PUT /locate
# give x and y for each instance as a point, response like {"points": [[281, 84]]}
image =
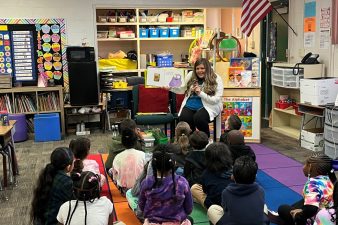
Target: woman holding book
{"points": [[203, 90]]}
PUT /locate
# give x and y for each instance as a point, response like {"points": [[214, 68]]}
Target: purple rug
{"points": [[285, 170], [290, 176], [276, 160], [261, 149]]}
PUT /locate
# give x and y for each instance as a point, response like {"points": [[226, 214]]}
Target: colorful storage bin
{"points": [[174, 32], [47, 127], [153, 32], [164, 32], [144, 33], [164, 60]]}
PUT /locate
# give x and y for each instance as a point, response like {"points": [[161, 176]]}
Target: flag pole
{"points": [[285, 21]]}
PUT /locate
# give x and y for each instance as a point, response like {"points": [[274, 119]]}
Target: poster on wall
{"points": [[244, 72], [49, 51], [6, 66], [39, 44], [242, 107], [309, 23], [325, 29]]}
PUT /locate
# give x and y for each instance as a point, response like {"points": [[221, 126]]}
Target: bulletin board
{"points": [[47, 39]]}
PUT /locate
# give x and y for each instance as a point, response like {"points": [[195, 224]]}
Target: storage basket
{"points": [[164, 60], [331, 149], [144, 32], [284, 77], [331, 133], [174, 32], [153, 32]]}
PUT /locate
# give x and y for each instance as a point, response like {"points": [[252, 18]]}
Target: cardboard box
{"points": [[312, 139], [318, 91]]}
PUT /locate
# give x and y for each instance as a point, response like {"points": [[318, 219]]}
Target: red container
{"points": [[170, 19], [284, 105]]}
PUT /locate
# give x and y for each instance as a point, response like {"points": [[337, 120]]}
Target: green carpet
{"points": [[199, 214]]}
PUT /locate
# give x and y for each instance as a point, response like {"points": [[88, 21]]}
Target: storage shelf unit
{"points": [[35, 100], [285, 121], [177, 46]]}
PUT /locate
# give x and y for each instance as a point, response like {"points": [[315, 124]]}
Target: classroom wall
{"points": [[296, 43], [79, 14]]}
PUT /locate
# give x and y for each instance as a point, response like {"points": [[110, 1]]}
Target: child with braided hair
{"points": [[165, 197], [88, 208], [317, 192]]}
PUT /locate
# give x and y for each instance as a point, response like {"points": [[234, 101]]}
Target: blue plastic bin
{"points": [[47, 127], [144, 32], [164, 60], [164, 32], [174, 31], [153, 32]]}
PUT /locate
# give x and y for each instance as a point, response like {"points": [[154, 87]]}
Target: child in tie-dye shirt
{"points": [[328, 216], [317, 192]]}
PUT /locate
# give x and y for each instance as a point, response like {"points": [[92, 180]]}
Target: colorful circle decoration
{"points": [[55, 38], [56, 57], [8, 59], [40, 53], [7, 48], [57, 65], [46, 47], [8, 65], [2, 70], [9, 70], [2, 60], [55, 28], [46, 38], [2, 54], [49, 74], [57, 75], [2, 65], [48, 56], [40, 60], [48, 65], [56, 47], [45, 29], [6, 53]]}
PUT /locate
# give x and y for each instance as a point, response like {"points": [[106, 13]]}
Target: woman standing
{"points": [[203, 90]]}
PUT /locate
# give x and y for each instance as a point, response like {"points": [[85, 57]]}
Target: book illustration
{"points": [[164, 77], [176, 81], [235, 76], [246, 63], [244, 80]]}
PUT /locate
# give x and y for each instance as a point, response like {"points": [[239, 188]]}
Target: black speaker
{"points": [[83, 83]]}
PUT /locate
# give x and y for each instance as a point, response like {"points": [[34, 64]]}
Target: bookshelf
{"points": [[33, 100]]}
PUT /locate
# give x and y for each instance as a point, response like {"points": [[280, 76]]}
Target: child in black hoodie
{"points": [[237, 146], [232, 123], [242, 201]]}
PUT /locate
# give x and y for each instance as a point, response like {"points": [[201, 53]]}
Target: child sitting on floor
{"points": [[117, 146], [195, 160], [53, 188], [317, 192], [81, 148], [215, 177], [237, 146], [165, 197], [232, 123], [88, 208], [242, 201], [328, 216], [181, 145], [128, 165]]}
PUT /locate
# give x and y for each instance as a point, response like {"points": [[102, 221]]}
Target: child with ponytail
{"points": [[54, 187], [88, 208], [165, 197], [317, 192], [181, 146]]}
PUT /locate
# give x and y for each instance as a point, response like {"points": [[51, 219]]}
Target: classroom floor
{"points": [[33, 156]]}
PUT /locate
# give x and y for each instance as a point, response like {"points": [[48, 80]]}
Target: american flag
{"points": [[253, 11]]}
